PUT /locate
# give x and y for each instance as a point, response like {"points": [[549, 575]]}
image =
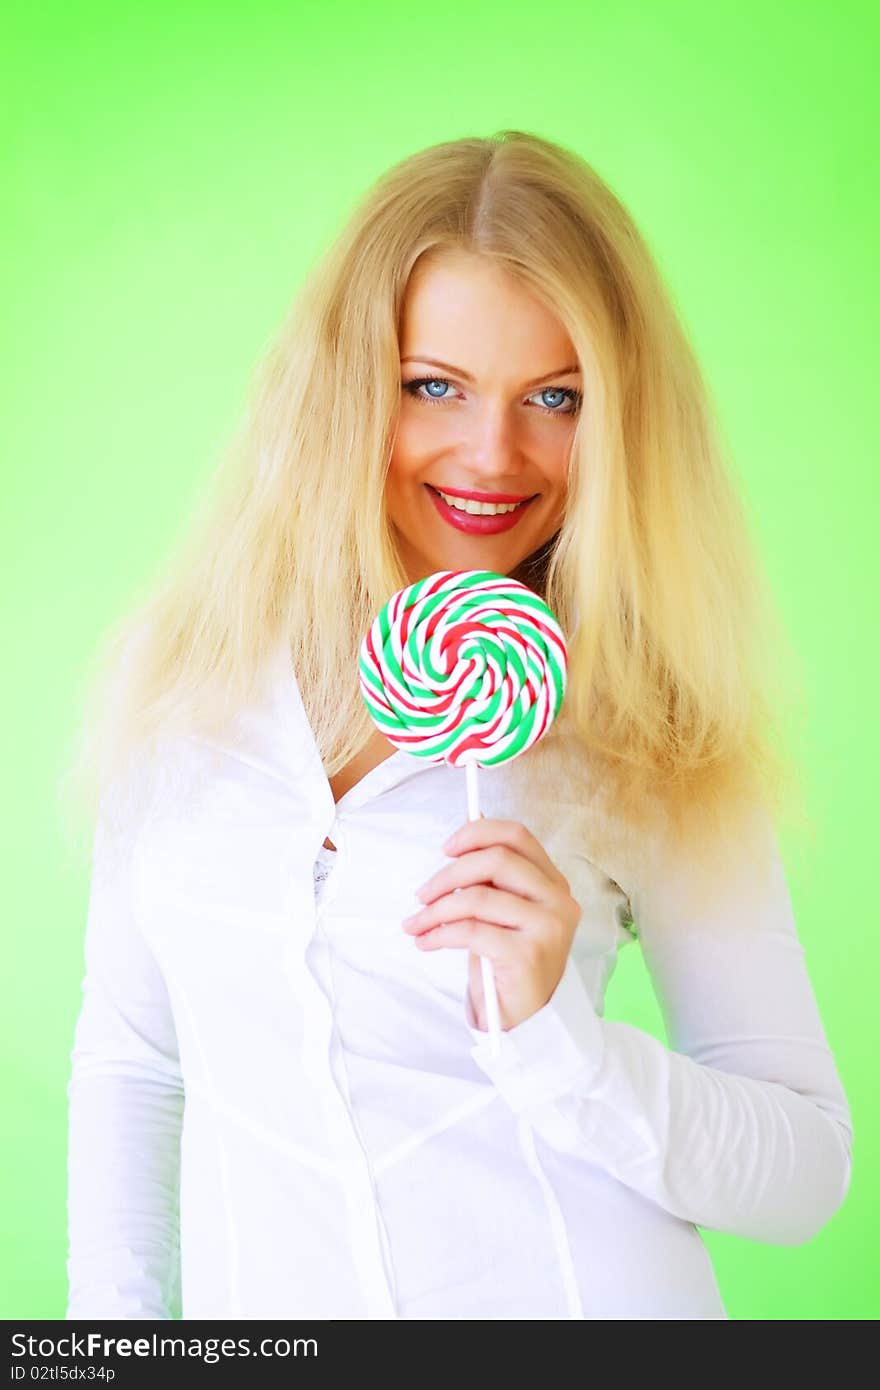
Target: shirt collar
{"points": [[274, 734]]}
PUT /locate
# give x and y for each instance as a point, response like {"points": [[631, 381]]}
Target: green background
{"points": [[170, 172]]}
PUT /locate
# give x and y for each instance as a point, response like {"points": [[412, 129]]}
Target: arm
{"points": [[742, 1124], [126, 1104]]}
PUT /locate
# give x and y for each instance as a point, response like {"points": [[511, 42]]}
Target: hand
{"points": [[503, 898]]}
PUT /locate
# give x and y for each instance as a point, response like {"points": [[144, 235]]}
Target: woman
{"points": [[282, 1101]]}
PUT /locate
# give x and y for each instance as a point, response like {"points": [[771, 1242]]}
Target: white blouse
{"points": [[280, 1107]]}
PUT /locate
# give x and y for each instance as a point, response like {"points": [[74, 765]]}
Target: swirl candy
{"points": [[464, 667]]}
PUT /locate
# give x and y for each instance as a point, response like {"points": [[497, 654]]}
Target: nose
{"points": [[491, 444]]}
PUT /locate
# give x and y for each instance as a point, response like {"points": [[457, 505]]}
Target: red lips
{"points": [[476, 524], [482, 496]]}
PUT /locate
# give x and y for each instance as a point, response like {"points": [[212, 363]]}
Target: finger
{"points": [[478, 834], [479, 900], [498, 865], [482, 938]]}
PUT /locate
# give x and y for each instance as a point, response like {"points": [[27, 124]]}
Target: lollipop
{"points": [[465, 667]]}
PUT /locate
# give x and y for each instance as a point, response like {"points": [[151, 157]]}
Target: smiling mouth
{"points": [[473, 506], [478, 522]]}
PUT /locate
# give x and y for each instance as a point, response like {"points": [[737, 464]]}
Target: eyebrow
{"points": [[466, 376]]}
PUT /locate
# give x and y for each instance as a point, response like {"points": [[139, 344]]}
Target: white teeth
{"points": [[480, 508]]}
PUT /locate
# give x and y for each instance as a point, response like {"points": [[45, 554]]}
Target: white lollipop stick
{"points": [[489, 992]]}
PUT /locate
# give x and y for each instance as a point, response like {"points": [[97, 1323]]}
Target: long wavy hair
{"points": [[681, 688]]}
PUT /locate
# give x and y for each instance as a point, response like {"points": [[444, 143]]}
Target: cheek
{"points": [[399, 483], [414, 439], [555, 455], [552, 442], [401, 489]]}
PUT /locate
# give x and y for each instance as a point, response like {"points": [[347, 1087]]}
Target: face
{"points": [[496, 419]]}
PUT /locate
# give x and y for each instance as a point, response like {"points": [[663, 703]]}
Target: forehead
{"points": [[455, 299]]}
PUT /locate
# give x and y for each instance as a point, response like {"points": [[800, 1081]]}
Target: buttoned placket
{"points": [[323, 1053]]}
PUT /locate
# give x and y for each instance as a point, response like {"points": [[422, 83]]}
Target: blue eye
{"points": [[560, 392], [554, 391], [413, 387], [563, 393]]}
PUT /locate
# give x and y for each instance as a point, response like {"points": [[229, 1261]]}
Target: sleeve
{"points": [[742, 1123], [125, 1110]]}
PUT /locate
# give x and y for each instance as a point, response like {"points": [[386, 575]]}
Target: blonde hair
{"points": [[678, 662]]}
